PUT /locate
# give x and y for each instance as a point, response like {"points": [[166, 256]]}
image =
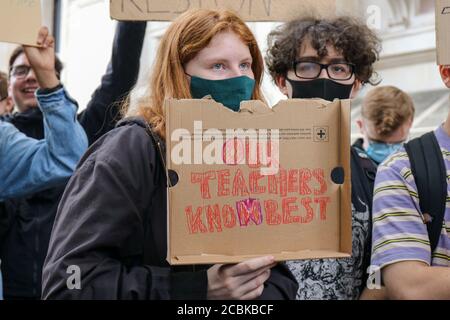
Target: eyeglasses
{"points": [[311, 70], [20, 72]]}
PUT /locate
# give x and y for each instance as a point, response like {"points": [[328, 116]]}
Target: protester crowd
{"points": [[89, 189]]}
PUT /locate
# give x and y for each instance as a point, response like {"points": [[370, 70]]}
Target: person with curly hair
{"points": [[331, 59], [319, 58]]}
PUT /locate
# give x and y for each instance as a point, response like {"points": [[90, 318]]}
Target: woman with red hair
{"points": [[112, 221]]}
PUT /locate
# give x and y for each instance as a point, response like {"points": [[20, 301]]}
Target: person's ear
{"points": [[445, 74], [9, 104], [360, 125], [356, 88], [410, 122], [281, 83]]}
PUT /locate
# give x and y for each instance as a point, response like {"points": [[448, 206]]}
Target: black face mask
{"points": [[320, 88]]}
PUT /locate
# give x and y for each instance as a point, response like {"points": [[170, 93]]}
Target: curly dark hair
{"points": [[349, 36]]}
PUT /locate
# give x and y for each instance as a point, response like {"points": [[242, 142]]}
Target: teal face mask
{"points": [[230, 92], [378, 151]]}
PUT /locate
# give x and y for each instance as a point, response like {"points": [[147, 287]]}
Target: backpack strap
{"points": [[363, 178], [430, 175]]}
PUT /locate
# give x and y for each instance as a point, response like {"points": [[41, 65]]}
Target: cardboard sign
{"points": [[20, 21], [249, 10], [259, 182], [443, 31]]}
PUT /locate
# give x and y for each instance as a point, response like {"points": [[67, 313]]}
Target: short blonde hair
{"points": [[387, 108]]}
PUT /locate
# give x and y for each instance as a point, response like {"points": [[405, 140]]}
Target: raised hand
{"points": [[42, 59]]}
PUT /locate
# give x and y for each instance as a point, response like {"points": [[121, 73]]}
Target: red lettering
{"points": [[305, 177], [228, 217], [278, 183], [319, 175], [239, 185], [213, 218], [293, 181], [271, 150], [249, 210], [233, 151], [273, 218], [195, 223], [203, 180], [306, 203], [252, 157], [323, 202], [288, 205], [273, 184], [223, 181], [283, 182], [255, 176]]}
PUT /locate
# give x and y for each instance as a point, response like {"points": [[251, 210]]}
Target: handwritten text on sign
{"points": [[250, 10], [301, 194]]}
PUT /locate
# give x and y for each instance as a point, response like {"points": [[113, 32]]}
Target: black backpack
{"points": [[430, 174]]}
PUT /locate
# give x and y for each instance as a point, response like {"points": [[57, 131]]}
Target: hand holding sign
{"points": [[243, 281], [42, 59]]}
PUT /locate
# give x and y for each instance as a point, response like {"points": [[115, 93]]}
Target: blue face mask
{"points": [[378, 151], [230, 92]]}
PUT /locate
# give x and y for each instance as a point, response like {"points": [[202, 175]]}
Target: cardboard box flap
{"points": [[255, 107], [346, 187], [24, 18], [443, 31], [249, 10], [284, 256], [260, 183]]}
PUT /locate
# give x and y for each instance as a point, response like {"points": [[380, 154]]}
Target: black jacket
{"points": [[25, 244], [112, 224], [363, 171]]}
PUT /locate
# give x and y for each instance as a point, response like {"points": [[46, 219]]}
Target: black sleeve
{"points": [[281, 285], [102, 112], [99, 227], [5, 222]]}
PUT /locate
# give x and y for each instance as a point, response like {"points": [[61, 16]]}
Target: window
{"points": [[425, 7], [408, 14]]}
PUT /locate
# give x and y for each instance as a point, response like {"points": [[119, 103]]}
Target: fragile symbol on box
{"points": [[320, 134]]}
